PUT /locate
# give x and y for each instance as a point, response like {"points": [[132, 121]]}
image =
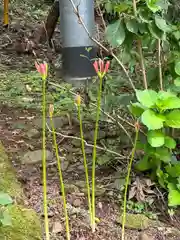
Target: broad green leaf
{"points": [[163, 154], [161, 24], [165, 95], [165, 46], [174, 88], [109, 7], [155, 31], [162, 177], [132, 26], [142, 28], [173, 170], [143, 164], [177, 82], [169, 103], [177, 35], [155, 138], [167, 100], [178, 183], [126, 57], [177, 68], [170, 142], [163, 4], [144, 15], [173, 196], [6, 219], [5, 199], [153, 5], [147, 97], [121, 7], [115, 33], [173, 119], [136, 109], [152, 120]]}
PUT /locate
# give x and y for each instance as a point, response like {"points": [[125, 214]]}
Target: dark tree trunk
{"points": [[50, 25]]}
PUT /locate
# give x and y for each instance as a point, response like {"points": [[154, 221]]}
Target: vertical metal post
{"points": [[6, 12], [78, 48]]}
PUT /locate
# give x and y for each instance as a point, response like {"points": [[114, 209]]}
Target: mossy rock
{"points": [[25, 222], [138, 221]]}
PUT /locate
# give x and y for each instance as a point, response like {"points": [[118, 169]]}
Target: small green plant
{"points": [[78, 103], [101, 69], [43, 70], [141, 24], [5, 218], [140, 207], [160, 112], [51, 111], [127, 181]]}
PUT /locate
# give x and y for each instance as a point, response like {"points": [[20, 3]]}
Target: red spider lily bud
{"points": [[42, 68], [51, 110], [107, 67], [95, 64], [78, 100], [137, 126], [99, 67]]}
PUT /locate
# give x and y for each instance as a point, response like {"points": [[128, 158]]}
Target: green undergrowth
{"points": [[25, 224], [24, 90]]}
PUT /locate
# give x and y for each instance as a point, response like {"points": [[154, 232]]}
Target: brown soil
{"points": [[15, 122]]}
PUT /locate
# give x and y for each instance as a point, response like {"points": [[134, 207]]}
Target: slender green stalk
{"points": [[44, 161], [94, 153], [159, 64], [139, 45], [85, 162], [127, 183], [60, 179]]}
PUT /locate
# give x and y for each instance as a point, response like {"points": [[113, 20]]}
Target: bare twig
{"points": [[142, 63], [139, 45], [100, 45], [105, 113], [159, 64], [86, 143], [101, 15], [134, 7]]}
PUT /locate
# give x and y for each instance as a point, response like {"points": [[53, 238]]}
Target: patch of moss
{"points": [[8, 181], [25, 225], [25, 222], [138, 221]]}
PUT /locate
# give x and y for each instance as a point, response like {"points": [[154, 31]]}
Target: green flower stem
{"points": [[60, 179], [44, 160], [126, 185], [94, 152], [85, 162]]}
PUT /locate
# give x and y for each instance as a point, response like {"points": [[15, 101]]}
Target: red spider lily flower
{"points": [[101, 68], [42, 68], [95, 64], [101, 65], [107, 66]]}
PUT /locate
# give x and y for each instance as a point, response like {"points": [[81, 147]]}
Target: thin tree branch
{"points": [[142, 64], [100, 45], [86, 143], [139, 45], [105, 113]]}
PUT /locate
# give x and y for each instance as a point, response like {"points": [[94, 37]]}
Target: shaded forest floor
{"points": [[20, 132]]}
